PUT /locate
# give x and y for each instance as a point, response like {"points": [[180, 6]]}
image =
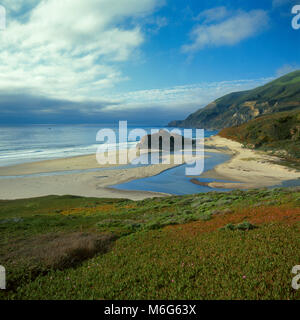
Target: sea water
{"points": [[29, 143]]}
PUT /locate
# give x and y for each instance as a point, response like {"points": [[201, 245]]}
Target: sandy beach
{"points": [[89, 184], [246, 169]]}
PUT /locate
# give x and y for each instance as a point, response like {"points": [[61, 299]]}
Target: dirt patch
{"points": [[58, 251]]}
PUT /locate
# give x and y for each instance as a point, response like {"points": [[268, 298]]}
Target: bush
{"points": [[244, 226]]}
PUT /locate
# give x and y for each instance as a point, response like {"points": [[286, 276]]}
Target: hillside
{"points": [[279, 132], [236, 108], [237, 245]]}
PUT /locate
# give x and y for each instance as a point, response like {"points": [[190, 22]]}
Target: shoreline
{"points": [[246, 169], [81, 162], [89, 184]]}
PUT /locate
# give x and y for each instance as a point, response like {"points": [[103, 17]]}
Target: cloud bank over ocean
{"points": [[142, 60], [145, 106]]}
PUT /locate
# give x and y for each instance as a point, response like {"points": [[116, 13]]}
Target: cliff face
{"points": [[236, 108]]}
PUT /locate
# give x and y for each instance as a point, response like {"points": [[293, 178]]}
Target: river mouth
{"points": [[174, 181]]}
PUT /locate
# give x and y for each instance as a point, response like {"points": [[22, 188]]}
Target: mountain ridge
{"points": [[236, 108]]}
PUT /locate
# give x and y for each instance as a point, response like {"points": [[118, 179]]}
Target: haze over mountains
{"points": [[282, 94]]}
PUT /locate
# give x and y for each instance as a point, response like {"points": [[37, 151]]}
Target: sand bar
{"points": [[247, 168], [89, 184]]}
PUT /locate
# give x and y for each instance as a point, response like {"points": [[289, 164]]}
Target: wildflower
{"points": [[244, 277]]}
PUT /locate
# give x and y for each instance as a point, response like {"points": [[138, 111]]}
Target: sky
{"points": [[145, 61]]}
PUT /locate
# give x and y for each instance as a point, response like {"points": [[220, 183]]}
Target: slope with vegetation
{"points": [[237, 245], [279, 133], [237, 108]]}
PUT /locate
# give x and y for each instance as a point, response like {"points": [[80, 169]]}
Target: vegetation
{"points": [[237, 245], [237, 108], [279, 132]]}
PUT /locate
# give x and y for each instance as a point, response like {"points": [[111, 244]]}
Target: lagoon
{"points": [[174, 181]]}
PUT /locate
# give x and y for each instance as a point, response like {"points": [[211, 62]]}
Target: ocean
{"points": [[29, 143]]}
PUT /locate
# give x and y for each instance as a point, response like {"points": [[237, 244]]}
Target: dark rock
{"points": [[160, 140]]}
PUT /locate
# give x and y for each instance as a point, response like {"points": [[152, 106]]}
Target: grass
{"points": [[237, 245]]}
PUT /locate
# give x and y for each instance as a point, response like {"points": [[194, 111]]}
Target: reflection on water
{"points": [[174, 181]]}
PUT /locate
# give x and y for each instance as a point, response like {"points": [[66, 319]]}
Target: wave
{"points": [[12, 157]]}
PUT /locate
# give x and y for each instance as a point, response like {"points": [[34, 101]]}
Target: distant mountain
{"points": [[236, 108], [279, 133]]}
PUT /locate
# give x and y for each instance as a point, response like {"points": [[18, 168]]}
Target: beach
{"points": [[29, 180], [88, 184], [245, 170]]}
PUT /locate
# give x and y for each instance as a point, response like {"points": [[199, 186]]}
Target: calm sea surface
{"points": [[41, 142]]}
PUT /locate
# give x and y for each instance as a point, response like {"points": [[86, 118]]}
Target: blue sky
{"points": [[146, 61]]}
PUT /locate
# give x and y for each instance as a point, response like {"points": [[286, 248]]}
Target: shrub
{"points": [[244, 226]]}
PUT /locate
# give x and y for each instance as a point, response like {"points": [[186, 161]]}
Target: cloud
{"points": [[145, 106], [19, 7], [239, 26], [156, 23], [180, 97], [213, 15], [70, 49], [287, 68]]}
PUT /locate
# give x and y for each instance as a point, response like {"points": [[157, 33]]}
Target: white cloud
{"points": [[239, 26], [213, 15], [179, 98], [145, 106], [70, 48], [287, 68]]}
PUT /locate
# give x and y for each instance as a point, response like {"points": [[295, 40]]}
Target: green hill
{"points": [[237, 245], [236, 108], [279, 132]]}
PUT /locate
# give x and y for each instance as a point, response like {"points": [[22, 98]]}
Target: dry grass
{"points": [[59, 251]]}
